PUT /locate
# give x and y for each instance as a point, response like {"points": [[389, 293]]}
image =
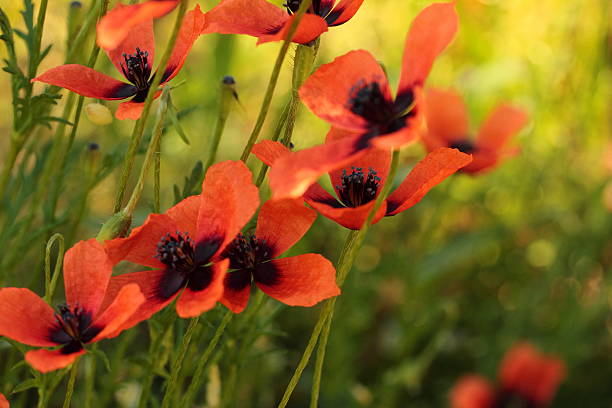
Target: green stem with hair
{"points": [[228, 96], [71, 381]]}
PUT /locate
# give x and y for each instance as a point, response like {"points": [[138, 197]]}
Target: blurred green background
{"points": [[521, 253]]}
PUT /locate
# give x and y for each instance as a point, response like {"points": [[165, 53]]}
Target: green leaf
{"points": [[177, 125], [26, 385]]}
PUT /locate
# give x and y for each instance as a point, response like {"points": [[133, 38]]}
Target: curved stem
{"points": [[228, 94], [265, 106], [71, 381], [318, 370]]}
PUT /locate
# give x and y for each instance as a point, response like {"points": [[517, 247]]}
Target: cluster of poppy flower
{"points": [[196, 251]]}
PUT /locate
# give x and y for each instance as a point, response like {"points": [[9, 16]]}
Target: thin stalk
{"points": [[157, 178], [228, 94], [198, 376], [280, 124], [9, 163], [178, 363], [318, 370], [71, 381], [90, 380], [265, 106], [140, 123]]}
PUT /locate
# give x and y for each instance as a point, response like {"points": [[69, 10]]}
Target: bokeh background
{"points": [[520, 253]]}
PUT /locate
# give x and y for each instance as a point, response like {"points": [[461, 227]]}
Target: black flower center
{"points": [[465, 146], [73, 328], [292, 6], [510, 399], [369, 102], [137, 69], [247, 251], [357, 188], [177, 252]]}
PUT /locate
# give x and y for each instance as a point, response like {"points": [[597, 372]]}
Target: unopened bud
{"points": [[117, 226], [98, 114], [228, 95]]}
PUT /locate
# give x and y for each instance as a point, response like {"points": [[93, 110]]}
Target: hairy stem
{"points": [[71, 381]]}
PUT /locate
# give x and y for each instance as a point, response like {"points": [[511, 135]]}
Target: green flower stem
{"points": [[318, 369], [71, 381], [51, 280], [140, 123], [228, 95], [157, 178], [353, 243], [9, 162], [198, 376], [265, 106], [280, 124], [178, 363], [90, 381]]}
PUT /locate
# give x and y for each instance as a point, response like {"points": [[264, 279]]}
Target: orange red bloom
{"points": [[353, 94], [447, 126], [301, 280], [133, 57], [90, 313], [184, 245], [358, 184], [116, 25], [267, 22], [526, 379], [3, 401]]}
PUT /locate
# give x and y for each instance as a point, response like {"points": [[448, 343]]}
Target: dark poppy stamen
{"points": [[465, 146], [357, 188], [137, 69], [73, 328], [369, 102], [292, 6], [177, 252], [246, 251]]}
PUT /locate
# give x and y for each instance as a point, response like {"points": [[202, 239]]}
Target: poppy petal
{"points": [[431, 32], [236, 290], [447, 119], [50, 360], [3, 401], [427, 173], [348, 217], [140, 36], [269, 151], [87, 82], [310, 28], [229, 200], [25, 317], [193, 303], [503, 123], [113, 319], [250, 17], [117, 25], [302, 280], [343, 12], [193, 23], [140, 247], [185, 214], [87, 270], [482, 161], [328, 91], [472, 391], [129, 110], [282, 223], [291, 175]]}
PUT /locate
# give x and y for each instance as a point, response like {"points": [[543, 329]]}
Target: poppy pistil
{"points": [[246, 251], [137, 69], [177, 252], [358, 188]]}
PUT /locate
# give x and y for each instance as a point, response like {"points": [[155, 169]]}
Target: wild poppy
{"points": [[358, 184], [115, 26], [267, 22], [183, 246], [89, 315], [301, 280], [353, 94], [134, 59], [526, 379], [3, 401], [447, 126]]}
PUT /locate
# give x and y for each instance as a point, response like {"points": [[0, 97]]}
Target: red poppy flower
{"points": [[133, 58], [267, 22], [358, 184], [302, 280], [184, 244], [527, 378], [353, 94], [115, 26], [3, 401], [88, 316], [447, 126]]}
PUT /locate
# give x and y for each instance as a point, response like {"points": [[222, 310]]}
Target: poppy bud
{"points": [[98, 114], [302, 65], [75, 18], [115, 227]]}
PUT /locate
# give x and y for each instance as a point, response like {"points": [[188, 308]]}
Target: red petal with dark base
{"points": [[250, 17], [447, 119], [343, 12], [268, 151], [282, 223], [236, 290], [229, 200], [87, 82], [193, 23], [472, 392], [431, 32], [87, 270], [25, 317], [302, 280], [192, 303], [113, 319], [50, 360], [139, 36], [328, 91], [116, 25], [310, 28], [503, 123], [129, 110], [348, 217], [291, 175], [427, 173], [483, 161]]}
